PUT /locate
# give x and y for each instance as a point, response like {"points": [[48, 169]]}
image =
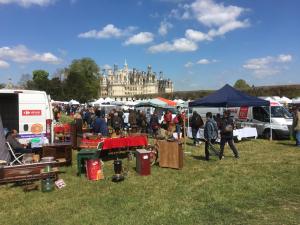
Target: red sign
{"points": [[31, 112], [243, 115]]}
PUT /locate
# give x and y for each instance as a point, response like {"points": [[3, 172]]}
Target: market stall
{"points": [[115, 143], [227, 97]]}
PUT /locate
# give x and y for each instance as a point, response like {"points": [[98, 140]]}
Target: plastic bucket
{"points": [[93, 169]]}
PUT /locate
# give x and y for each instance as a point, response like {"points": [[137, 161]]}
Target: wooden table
{"points": [[27, 172], [60, 151], [116, 143]]}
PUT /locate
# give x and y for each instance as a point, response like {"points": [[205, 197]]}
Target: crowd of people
{"points": [[118, 120], [104, 121]]}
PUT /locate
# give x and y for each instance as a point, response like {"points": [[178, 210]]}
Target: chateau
{"points": [[124, 84]]}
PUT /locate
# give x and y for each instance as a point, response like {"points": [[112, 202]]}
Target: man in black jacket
{"points": [[227, 135], [196, 122]]}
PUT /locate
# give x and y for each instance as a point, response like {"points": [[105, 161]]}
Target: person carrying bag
{"points": [[227, 135]]}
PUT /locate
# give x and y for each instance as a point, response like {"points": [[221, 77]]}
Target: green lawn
{"points": [[262, 187]]}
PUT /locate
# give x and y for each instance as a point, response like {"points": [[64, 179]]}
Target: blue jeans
{"points": [[297, 138]]}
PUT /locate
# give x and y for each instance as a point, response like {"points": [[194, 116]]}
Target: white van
{"points": [[27, 111], [258, 117]]}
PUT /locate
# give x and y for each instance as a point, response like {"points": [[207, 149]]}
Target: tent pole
{"points": [[186, 129], [271, 136]]}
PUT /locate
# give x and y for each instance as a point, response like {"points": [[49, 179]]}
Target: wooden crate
{"points": [[170, 154]]}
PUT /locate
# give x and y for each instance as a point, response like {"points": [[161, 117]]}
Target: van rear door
{"points": [[261, 119], [9, 105], [32, 112]]}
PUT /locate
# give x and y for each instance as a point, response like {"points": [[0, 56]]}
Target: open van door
{"points": [[261, 121]]}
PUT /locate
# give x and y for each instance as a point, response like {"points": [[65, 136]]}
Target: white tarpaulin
{"points": [[73, 102]]}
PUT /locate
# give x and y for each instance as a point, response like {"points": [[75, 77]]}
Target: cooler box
{"points": [[143, 166]]}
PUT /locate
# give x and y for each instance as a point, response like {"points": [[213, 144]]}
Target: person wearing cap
{"points": [[227, 126]]}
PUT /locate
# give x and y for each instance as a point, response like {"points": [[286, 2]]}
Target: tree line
{"points": [[80, 81]]}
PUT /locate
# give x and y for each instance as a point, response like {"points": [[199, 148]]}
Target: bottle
{"points": [[47, 184]]}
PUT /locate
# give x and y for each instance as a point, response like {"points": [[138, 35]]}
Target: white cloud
{"points": [[28, 3], [196, 35], [206, 61], [21, 54], [228, 27], [188, 64], [182, 12], [140, 38], [213, 14], [4, 64], [109, 31], [284, 58], [178, 45], [164, 27], [267, 66], [200, 61], [218, 18]]}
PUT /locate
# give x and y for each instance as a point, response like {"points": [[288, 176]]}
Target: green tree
{"points": [[241, 84], [2, 85], [40, 80], [82, 82], [56, 89]]}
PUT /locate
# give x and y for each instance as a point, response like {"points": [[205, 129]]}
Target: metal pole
{"points": [[184, 129]]}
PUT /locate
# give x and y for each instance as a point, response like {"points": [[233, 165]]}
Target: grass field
{"points": [[262, 187]]}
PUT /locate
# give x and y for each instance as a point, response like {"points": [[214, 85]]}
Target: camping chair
{"points": [[16, 156]]}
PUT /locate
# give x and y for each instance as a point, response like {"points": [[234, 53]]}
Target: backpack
{"points": [[227, 126], [198, 121]]}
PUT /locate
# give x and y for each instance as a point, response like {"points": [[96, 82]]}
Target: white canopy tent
{"points": [[74, 102], [285, 100], [296, 100]]}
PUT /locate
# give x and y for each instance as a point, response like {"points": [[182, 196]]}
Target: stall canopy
{"points": [[169, 102], [4, 153], [228, 96], [157, 103], [73, 102]]}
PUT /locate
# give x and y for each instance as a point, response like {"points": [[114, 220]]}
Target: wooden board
{"points": [[26, 172], [170, 154], [59, 151]]}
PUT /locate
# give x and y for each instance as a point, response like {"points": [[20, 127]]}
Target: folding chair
{"points": [[16, 156]]}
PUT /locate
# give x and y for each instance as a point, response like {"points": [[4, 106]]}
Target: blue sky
{"points": [[199, 44]]}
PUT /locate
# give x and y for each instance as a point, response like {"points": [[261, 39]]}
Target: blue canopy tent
{"points": [[228, 96]]}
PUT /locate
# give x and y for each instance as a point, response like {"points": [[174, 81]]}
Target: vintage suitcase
{"points": [[170, 154]]}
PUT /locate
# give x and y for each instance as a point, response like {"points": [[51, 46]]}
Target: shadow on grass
{"points": [[199, 157], [287, 144]]}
